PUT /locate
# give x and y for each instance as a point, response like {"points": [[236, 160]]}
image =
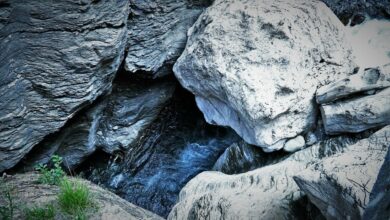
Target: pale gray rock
{"points": [[340, 186], [377, 208], [294, 144], [56, 57], [358, 114], [157, 33], [369, 79], [262, 83], [265, 193], [113, 124]]}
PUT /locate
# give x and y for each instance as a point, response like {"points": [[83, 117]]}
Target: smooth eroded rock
{"points": [[56, 58], [294, 144], [357, 114], [255, 65], [113, 124]]}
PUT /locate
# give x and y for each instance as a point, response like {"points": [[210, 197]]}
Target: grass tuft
{"points": [[74, 198], [7, 206], [39, 213]]}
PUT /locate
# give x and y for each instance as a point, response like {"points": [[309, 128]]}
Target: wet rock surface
{"points": [[356, 11], [56, 58], [112, 124], [174, 149], [241, 157], [158, 33], [262, 83], [270, 192]]}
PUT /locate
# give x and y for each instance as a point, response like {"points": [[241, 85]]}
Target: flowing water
{"points": [[370, 42], [176, 147]]}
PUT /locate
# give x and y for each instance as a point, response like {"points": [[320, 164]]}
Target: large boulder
{"points": [[270, 192], [113, 124], [56, 58], [262, 83], [341, 185], [157, 33]]}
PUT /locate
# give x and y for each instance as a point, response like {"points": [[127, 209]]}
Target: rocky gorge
{"points": [[201, 109]]}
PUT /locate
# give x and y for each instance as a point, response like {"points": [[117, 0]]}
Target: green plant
{"points": [[6, 210], [40, 213], [51, 176], [74, 198]]}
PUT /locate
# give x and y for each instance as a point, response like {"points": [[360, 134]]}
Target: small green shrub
{"points": [[74, 198], [51, 176], [6, 210], [41, 213]]}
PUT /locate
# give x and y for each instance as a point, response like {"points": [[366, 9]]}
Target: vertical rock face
{"points": [[158, 33], [270, 192], [56, 57], [254, 65], [113, 124]]}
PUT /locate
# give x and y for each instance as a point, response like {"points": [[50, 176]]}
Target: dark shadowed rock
{"points": [[341, 185], [241, 157], [355, 11], [158, 33], [56, 57], [112, 124], [175, 148]]}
